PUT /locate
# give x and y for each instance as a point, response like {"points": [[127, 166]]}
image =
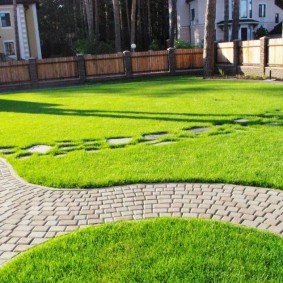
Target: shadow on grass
{"points": [[15, 106]]}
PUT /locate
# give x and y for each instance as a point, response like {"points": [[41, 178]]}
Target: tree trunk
{"points": [[226, 21], [89, 16], [96, 20], [17, 39], [149, 20], [209, 34], [128, 18], [133, 21], [173, 20], [116, 9], [235, 24]]}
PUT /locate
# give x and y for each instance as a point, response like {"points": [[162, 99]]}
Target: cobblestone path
{"points": [[31, 214]]}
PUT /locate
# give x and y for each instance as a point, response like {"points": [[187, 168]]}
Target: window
{"points": [[276, 18], [5, 19], [9, 48], [244, 9], [193, 14], [262, 10]]}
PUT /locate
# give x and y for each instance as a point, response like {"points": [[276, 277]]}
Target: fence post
{"points": [[172, 60], [128, 63], [81, 68], [236, 55], [263, 53], [33, 71]]}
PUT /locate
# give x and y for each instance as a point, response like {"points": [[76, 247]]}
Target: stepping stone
{"points": [[198, 130], [118, 141], [242, 121], [24, 156], [273, 124], [40, 148], [6, 149], [91, 150], [155, 136], [162, 143]]}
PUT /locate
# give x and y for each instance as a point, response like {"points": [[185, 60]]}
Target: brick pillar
{"points": [[128, 63], [33, 71], [81, 68], [263, 53], [172, 60], [236, 55]]}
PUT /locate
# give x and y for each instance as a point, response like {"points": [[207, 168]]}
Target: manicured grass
{"points": [[74, 120], [161, 250]]}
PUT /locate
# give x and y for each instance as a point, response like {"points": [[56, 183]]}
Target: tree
{"points": [[133, 21], [96, 20], [236, 16], [226, 21], [17, 40], [209, 34], [89, 16], [173, 20], [117, 25]]}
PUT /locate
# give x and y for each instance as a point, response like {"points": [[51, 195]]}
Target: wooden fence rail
{"points": [[189, 59], [150, 62], [104, 65], [14, 72]]}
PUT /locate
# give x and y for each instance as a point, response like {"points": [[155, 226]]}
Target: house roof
{"points": [[10, 2]]}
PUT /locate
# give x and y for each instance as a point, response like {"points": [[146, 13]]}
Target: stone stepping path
{"points": [[31, 214], [242, 121], [155, 136], [119, 141], [198, 130], [42, 149]]}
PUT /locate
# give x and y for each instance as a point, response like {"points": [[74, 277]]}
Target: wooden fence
{"points": [[104, 65], [150, 61], [275, 54], [57, 68], [14, 72], [225, 53], [189, 59], [249, 52], [89, 67]]}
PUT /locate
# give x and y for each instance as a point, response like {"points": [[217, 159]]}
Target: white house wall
{"points": [[193, 31]]}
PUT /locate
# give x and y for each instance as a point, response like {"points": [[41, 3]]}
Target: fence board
{"points": [[225, 53], [250, 52], [14, 72], [109, 64], [275, 56], [150, 61], [57, 68], [189, 58]]}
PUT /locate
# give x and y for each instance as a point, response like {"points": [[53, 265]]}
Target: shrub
{"points": [[93, 46], [180, 44], [260, 32]]}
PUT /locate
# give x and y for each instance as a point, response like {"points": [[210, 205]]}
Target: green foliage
{"points": [[154, 45], [93, 46], [158, 250], [260, 32], [180, 44]]}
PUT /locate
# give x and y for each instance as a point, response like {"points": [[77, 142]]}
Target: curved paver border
{"points": [[31, 214]]}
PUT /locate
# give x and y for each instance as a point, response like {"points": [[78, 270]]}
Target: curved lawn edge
{"points": [[214, 249], [13, 173]]}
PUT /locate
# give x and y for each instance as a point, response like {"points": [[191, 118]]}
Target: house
{"points": [[253, 14], [29, 41]]}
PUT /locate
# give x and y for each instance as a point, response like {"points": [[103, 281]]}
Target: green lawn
{"points": [[75, 120], [160, 250]]}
